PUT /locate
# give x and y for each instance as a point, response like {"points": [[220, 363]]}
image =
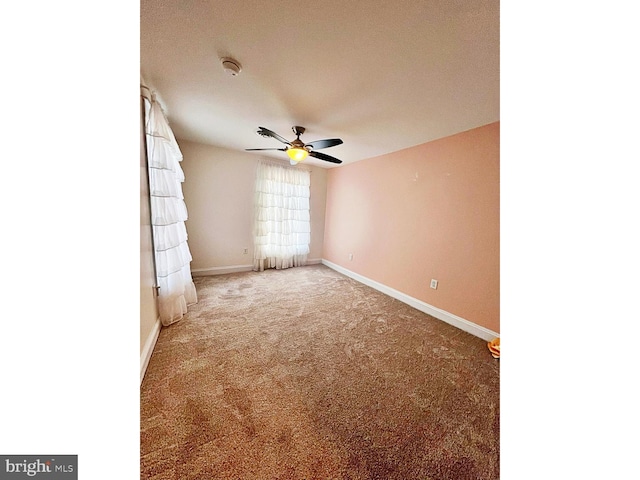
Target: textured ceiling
{"points": [[382, 76]]}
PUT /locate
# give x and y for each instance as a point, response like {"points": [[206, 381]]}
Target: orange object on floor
{"points": [[494, 347]]}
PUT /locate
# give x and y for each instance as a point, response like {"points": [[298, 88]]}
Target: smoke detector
{"points": [[231, 66]]}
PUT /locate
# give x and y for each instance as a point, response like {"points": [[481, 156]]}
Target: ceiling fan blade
{"points": [[253, 149], [265, 132], [322, 156], [329, 142]]}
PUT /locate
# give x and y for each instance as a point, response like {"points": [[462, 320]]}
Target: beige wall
{"points": [[431, 211], [148, 308], [219, 192]]}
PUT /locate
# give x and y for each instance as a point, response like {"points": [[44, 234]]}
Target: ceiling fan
{"points": [[297, 150]]}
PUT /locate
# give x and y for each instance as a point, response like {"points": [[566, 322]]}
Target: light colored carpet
{"points": [[305, 373]]}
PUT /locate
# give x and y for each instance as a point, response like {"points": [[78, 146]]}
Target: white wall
{"points": [[219, 192]]}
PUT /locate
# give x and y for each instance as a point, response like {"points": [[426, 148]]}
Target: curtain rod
{"points": [[150, 96]]}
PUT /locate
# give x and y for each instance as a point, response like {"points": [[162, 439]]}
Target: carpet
{"points": [[305, 373]]}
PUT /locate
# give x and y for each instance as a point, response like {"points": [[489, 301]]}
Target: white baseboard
{"points": [[205, 272], [147, 350], [314, 261], [450, 318]]}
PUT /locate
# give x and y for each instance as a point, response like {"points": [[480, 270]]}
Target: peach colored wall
{"points": [[430, 211], [219, 192]]}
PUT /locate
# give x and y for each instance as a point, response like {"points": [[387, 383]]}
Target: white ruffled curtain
{"points": [[282, 225], [168, 214]]}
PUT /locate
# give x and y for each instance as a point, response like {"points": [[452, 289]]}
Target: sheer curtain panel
{"points": [[168, 213], [282, 222]]}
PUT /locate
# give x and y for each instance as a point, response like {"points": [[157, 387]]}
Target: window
{"points": [[282, 227]]}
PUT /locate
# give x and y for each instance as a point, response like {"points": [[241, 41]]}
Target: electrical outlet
{"points": [[351, 256], [434, 283], [246, 251]]}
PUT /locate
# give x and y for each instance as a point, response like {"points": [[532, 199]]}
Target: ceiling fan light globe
{"points": [[297, 154]]}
